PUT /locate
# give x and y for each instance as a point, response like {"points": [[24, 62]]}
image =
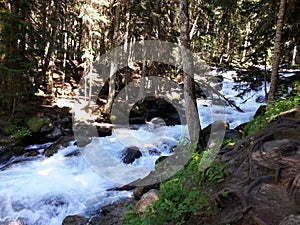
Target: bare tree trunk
{"points": [[246, 43], [112, 80], [276, 53], [191, 111]]}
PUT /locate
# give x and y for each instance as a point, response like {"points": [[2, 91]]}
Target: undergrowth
{"points": [[281, 105], [18, 132], [180, 196]]}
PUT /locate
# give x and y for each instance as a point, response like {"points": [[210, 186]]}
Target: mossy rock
{"points": [[36, 123]]}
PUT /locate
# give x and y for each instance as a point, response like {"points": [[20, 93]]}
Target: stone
{"points": [[75, 220], [56, 133], [217, 126], [32, 153], [260, 99], [36, 123], [232, 134], [129, 155], [47, 128], [260, 111], [173, 119], [114, 213], [148, 198], [103, 131], [5, 154], [284, 147]]}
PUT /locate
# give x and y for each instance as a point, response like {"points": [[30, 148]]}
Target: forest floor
{"points": [[263, 185]]}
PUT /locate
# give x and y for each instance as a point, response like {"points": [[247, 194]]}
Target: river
{"points": [[43, 191]]}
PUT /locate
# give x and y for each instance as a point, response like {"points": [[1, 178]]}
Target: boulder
{"points": [[113, 213], [148, 198], [217, 125], [139, 191], [36, 123], [5, 154], [56, 133], [233, 134], [75, 220], [173, 119], [260, 111], [104, 131], [150, 107], [129, 155], [59, 143], [47, 128]]}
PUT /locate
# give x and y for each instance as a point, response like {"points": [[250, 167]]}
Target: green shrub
{"points": [[18, 133], [281, 105], [180, 196]]}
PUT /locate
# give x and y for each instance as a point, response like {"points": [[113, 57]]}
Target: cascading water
{"points": [[40, 190]]}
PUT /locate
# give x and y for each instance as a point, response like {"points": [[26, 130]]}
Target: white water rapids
{"points": [[43, 191]]}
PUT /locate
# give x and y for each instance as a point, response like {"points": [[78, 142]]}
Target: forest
{"points": [[45, 40], [49, 47]]}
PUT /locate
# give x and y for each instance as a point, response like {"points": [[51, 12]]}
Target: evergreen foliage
{"points": [[38, 38]]}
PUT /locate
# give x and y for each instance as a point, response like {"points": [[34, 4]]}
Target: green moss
{"points": [[36, 123]]}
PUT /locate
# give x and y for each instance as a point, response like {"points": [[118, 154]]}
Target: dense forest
{"points": [[48, 46], [45, 40]]}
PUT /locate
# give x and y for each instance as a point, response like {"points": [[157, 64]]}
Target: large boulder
{"points": [[7, 152], [150, 107], [36, 123], [129, 155]]}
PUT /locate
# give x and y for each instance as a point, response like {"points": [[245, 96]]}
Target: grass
{"points": [[281, 105], [180, 196]]}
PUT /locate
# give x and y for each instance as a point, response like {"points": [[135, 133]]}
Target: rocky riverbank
{"points": [[262, 187]]}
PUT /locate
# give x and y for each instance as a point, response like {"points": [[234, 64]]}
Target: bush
{"points": [[281, 105], [180, 196], [18, 133]]}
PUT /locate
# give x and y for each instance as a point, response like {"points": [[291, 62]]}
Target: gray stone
{"points": [[56, 133]]}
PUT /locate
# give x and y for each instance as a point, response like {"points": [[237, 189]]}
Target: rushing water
{"points": [[43, 191]]}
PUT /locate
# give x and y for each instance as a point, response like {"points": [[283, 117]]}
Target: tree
{"points": [[191, 111], [276, 52], [112, 80]]}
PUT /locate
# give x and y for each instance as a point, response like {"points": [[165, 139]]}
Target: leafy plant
{"points": [[180, 196], [281, 105], [18, 133]]}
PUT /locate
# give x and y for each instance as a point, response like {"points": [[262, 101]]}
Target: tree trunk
{"points": [[276, 53], [112, 80], [191, 111]]}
